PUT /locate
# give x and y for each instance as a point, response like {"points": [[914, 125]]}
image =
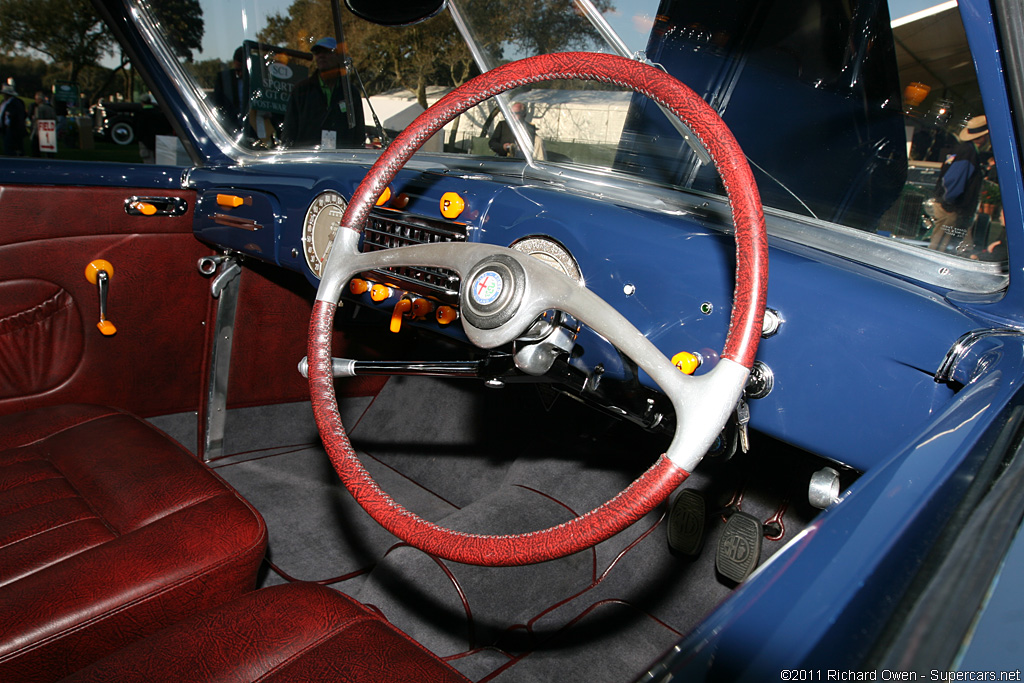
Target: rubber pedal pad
{"points": [[687, 523], [739, 548]]}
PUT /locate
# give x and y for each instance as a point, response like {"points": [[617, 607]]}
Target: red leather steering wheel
{"points": [[702, 403]]}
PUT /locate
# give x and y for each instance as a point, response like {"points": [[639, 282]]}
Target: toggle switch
{"points": [[229, 201], [99, 272], [145, 208], [401, 308]]}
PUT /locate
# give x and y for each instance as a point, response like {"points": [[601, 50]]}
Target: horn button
{"points": [[493, 291]]}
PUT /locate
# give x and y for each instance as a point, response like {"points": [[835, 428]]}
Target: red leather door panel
{"points": [[51, 351]]}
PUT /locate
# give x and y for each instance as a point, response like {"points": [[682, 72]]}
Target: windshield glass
{"points": [[863, 114]]}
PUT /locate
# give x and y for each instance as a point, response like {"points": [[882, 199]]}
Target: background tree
{"points": [[71, 34], [432, 52], [68, 32], [182, 23]]}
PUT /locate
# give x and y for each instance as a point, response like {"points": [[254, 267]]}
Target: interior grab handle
{"points": [[99, 272]]}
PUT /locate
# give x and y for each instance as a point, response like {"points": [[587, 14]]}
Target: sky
{"points": [[222, 18]]}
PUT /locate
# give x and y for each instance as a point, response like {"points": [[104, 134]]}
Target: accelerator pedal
{"points": [[686, 523], [739, 548]]}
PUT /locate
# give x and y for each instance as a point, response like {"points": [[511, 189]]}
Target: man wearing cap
{"points": [[959, 187], [318, 111], [12, 121]]}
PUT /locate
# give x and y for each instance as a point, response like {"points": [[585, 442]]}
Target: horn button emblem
{"points": [[492, 293], [487, 287]]}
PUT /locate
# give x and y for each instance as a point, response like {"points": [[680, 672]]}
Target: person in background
{"points": [[503, 141], [959, 187], [12, 121], [318, 112], [231, 92]]}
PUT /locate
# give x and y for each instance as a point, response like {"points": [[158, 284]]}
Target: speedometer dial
{"points": [[322, 221]]}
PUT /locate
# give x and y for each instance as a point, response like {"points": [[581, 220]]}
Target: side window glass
{"points": [[70, 93], [864, 114], [950, 201]]}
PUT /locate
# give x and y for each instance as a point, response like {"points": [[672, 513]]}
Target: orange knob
{"points": [[446, 315], [384, 196], [106, 328], [421, 308], [357, 286], [380, 292], [452, 205], [92, 271]]}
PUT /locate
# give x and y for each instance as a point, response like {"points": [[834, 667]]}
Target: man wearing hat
{"points": [[959, 187], [12, 121], [318, 111]]}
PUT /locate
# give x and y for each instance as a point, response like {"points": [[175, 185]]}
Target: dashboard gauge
{"points": [[552, 253], [322, 221]]}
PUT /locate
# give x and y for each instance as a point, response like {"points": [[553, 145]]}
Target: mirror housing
{"points": [[395, 12]]}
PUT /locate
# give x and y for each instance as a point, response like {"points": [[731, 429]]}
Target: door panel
{"points": [[51, 349]]}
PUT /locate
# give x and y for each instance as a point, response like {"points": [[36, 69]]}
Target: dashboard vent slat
{"points": [[388, 229]]}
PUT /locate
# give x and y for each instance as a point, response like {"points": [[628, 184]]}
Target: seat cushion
{"points": [[293, 632], [109, 531]]}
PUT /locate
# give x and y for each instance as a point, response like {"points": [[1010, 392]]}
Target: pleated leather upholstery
{"points": [[109, 531]]}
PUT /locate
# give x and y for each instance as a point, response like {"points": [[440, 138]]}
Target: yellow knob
{"points": [[686, 362], [452, 205]]}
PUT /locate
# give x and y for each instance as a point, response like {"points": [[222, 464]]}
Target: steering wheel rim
{"points": [[727, 378]]}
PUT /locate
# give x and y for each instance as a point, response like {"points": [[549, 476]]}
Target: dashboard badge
{"points": [[487, 287]]}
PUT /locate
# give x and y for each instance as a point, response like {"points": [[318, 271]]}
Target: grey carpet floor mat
{"points": [[491, 462]]}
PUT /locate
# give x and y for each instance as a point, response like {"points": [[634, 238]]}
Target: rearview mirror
{"points": [[395, 12]]}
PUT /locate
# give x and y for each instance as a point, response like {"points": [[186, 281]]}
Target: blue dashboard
{"points": [[670, 273]]}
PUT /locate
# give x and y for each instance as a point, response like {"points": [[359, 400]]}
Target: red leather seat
{"points": [[109, 531], [293, 632]]}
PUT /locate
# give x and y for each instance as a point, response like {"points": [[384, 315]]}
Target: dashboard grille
{"points": [[387, 229]]}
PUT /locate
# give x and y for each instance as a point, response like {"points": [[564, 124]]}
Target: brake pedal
{"points": [[739, 548], [686, 523]]}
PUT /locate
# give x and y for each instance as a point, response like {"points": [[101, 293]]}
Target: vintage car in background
{"points": [[675, 341], [125, 123]]}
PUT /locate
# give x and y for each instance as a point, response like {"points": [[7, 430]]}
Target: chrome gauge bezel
{"points": [[551, 252], [323, 218]]}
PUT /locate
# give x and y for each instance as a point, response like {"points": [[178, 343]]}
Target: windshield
{"points": [[864, 115]]}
